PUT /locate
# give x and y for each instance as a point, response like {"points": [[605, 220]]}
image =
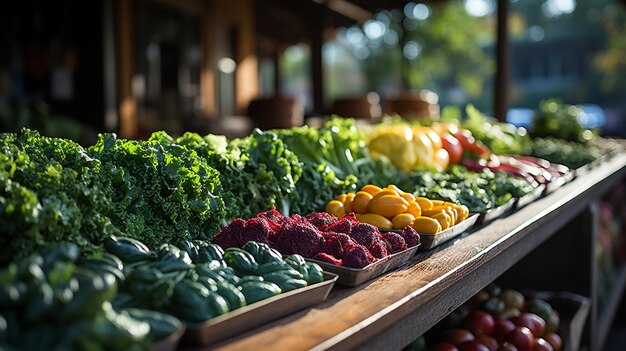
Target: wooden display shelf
{"points": [[390, 311], [605, 319]]}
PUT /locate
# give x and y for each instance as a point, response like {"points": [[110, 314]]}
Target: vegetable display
{"points": [[562, 121], [342, 241], [54, 190], [49, 301], [162, 190], [496, 319], [392, 208], [196, 281], [568, 153], [257, 172], [334, 160], [501, 138], [478, 191], [108, 246]]}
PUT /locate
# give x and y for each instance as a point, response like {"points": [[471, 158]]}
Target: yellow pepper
{"points": [[394, 143]]}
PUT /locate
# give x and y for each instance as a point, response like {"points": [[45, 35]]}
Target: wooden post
{"points": [[207, 71], [247, 75], [405, 63], [501, 87], [277, 77], [128, 104], [317, 66]]}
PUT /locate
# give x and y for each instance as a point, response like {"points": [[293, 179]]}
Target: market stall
{"points": [[389, 312], [337, 237]]}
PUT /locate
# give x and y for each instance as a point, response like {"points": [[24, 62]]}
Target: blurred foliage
{"points": [[450, 52], [611, 62], [451, 55], [593, 40], [555, 119]]}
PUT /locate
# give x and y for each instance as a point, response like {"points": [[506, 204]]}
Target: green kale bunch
{"points": [[50, 190], [160, 191], [258, 172]]}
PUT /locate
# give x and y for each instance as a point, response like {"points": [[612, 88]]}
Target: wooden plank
{"points": [[605, 319], [372, 316]]}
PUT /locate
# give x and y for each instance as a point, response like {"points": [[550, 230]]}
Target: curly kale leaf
{"points": [[161, 192], [334, 161], [51, 191], [257, 172]]}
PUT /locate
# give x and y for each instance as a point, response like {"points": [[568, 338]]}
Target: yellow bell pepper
{"points": [[394, 143], [424, 148], [409, 148], [442, 160]]}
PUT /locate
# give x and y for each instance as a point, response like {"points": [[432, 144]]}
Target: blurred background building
{"points": [[74, 68]]}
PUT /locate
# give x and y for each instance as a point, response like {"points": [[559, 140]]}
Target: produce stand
{"points": [[390, 311]]}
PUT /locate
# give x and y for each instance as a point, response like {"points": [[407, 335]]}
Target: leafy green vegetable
{"points": [[334, 161], [49, 302], [555, 119], [161, 191], [568, 153], [51, 190], [258, 172], [54, 190], [501, 138], [478, 191]]}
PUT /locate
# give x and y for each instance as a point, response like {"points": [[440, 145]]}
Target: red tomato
{"points": [[479, 322], [501, 328], [507, 347], [531, 321], [491, 343], [453, 146], [522, 338], [554, 340], [542, 345], [472, 345], [457, 336]]}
